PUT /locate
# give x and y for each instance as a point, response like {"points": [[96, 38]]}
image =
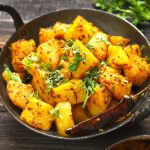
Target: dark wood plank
{"points": [[14, 136]]}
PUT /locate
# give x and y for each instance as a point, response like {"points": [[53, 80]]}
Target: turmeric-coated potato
{"points": [[99, 101], [64, 119], [19, 50], [89, 60], [8, 75], [133, 49], [138, 71], [38, 114], [46, 34], [98, 45], [80, 114], [119, 40], [71, 91], [60, 29], [80, 29], [19, 93], [49, 52], [64, 71], [117, 57], [117, 84]]}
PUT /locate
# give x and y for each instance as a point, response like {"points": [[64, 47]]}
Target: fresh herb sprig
{"points": [[55, 112], [136, 11], [89, 83], [77, 59], [54, 79], [11, 75]]}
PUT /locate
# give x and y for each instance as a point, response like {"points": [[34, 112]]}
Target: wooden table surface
{"points": [[14, 136]]}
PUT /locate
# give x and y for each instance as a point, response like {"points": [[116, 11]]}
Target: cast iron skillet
{"points": [[109, 23]]}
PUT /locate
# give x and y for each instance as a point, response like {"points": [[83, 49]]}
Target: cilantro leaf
{"points": [[54, 79], [11, 75], [77, 59]]}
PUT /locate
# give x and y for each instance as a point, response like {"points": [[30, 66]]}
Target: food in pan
{"points": [[76, 71]]}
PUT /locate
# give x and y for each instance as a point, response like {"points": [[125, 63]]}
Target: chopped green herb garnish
{"points": [[55, 112], [63, 57], [60, 67], [77, 59], [11, 75], [28, 61], [54, 79], [148, 60], [142, 95], [90, 47], [36, 95], [103, 39], [46, 66], [68, 44], [142, 46], [93, 73], [136, 11], [101, 130], [103, 63], [89, 83]]}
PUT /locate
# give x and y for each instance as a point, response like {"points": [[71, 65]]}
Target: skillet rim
{"points": [[12, 112]]}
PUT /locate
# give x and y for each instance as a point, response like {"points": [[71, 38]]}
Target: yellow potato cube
{"points": [[98, 45], [133, 49], [99, 101], [46, 34], [19, 93], [19, 50], [49, 52], [117, 57], [83, 67], [38, 114], [80, 114], [64, 119], [117, 84], [138, 71], [71, 91], [60, 29], [80, 29], [119, 40]]}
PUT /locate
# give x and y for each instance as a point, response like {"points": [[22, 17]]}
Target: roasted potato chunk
{"points": [[71, 91], [46, 34], [80, 114], [60, 29], [117, 84], [8, 75], [64, 71], [133, 49], [19, 50], [38, 114], [64, 118], [39, 84], [39, 77], [49, 52], [19, 93], [138, 71], [81, 29], [98, 45], [117, 57], [83, 67], [119, 40], [99, 101]]}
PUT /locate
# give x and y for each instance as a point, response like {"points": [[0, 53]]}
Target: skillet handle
{"points": [[14, 14], [142, 113]]}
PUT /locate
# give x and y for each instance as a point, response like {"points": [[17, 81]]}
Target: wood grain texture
{"points": [[14, 136]]}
